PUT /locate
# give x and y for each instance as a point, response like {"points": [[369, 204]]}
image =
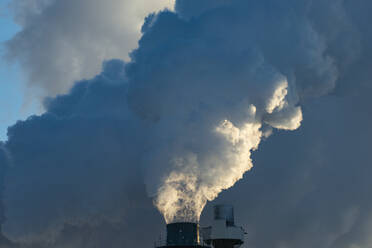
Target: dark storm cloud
{"points": [[81, 168]]}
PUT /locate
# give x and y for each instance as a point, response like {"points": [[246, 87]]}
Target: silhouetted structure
{"points": [[182, 235], [221, 234]]}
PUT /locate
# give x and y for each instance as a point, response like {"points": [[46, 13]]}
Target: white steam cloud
{"points": [[197, 178], [183, 116]]}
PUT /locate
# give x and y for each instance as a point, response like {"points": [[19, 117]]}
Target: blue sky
{"points": [[13, 103]]}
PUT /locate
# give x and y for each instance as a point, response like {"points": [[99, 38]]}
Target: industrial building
{"points": [[221, 234]]}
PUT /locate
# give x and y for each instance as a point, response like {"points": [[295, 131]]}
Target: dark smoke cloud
{"points": [[4, 163], [3, 168], [314, 191], [77, 173]]}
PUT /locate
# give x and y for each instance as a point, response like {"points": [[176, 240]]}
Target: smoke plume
{"points": [[70, 39], [185, 116], [209, 115]]}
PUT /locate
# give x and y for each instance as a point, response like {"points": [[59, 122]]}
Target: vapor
{"points": [[183, 119], [62, 41]]}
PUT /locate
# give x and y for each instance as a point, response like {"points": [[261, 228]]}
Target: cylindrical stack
{"points": [[182, 234]]}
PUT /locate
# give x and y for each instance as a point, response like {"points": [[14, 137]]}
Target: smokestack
{"points": [[222, 234], [182, 235]]}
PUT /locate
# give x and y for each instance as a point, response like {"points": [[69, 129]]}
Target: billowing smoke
{"points": [[181, 120], [70, 39], [208, 115], [3, 167], [212, 135]]}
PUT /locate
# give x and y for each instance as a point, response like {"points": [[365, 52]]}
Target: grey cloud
{"points": [[314, 190], [64, 41], [80, 179], [67, 181], [81, 166]]}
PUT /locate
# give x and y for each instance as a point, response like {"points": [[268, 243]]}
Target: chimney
{"points": [[221, 234], [182, 235]]}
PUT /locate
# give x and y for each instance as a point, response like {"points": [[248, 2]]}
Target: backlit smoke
{"points": [[70, 39], [223, 88], [181, 120], [197, 178], [210, 104]]}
